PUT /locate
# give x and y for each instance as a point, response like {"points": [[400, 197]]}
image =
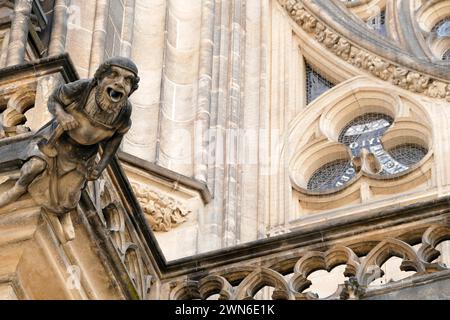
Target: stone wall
{"points": [[222, 91]]}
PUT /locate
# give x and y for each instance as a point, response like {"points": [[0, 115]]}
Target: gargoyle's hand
{"points": [[67, 121], [93, 173]]}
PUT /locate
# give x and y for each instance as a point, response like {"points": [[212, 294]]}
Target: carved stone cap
{"points": [[162, 212]]}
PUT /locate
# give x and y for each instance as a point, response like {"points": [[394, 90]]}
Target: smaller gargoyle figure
{"points": [[88, 114]]}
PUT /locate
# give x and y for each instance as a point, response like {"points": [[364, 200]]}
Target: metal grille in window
{"points": [[378, 23], [316, 84], [408, 154], [374, 123], [327, 176], [442, 28]]}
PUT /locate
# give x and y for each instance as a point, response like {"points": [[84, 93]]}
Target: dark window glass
{"points": [[316, 84], [331, 176], [378, 23], [442, 28], [365, 132]]}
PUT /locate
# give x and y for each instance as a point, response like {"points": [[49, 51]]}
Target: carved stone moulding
{"points": [[167, 198], [289, 279], [162, 212], [383, 68], [113, 209], [172, 204], [365, 9], [130, 253]]}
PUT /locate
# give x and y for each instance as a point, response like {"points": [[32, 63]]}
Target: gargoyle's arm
{"points": [[109, 150], [55, 107], [58, 101]]}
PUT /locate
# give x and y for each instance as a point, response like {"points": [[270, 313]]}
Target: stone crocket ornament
{"points": [[88, 113]]}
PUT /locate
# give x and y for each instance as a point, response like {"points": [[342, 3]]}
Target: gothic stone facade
{"points": [[285, 149]]}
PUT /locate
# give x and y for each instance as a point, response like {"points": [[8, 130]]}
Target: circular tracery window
{"points": [[365, 132]]}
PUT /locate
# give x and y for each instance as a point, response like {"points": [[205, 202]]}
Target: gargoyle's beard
{"points": [[104, 102]]}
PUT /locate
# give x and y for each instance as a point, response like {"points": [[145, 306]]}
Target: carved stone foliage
{"points": [[162, 212], [292, 283], [362, 59], [121, 231]]}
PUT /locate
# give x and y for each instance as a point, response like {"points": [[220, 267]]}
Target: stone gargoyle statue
{"points": [[62, 156]]}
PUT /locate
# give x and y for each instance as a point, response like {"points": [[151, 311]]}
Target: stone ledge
{"points": [[168, 175], [317, 234], [56, 64]]}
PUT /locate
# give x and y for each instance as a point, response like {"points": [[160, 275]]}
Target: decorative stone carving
{"points": [[352, 290], [370, 269], [430, 239], [88, 114], [417, 82], [162, 212], [399, 77], [379, 68], [437, 89], [215, 285], [343, 48], [243, 282], [263, 277], [128, 250], [13, 117], [374, 163]]}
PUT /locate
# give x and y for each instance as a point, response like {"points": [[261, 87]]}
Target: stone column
{"points": [[286, 101], [59, 32], [254, 108], [98, 35], [234, 132], [4, 49], [127, 31], [148, 53], [180, 83], [202, 115], [219, 227], [211, 223], [19, 32]]}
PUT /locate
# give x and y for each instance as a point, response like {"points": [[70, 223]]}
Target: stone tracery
{"points": [[365, 137], [380, 67], [265, 59], [360, 271]]}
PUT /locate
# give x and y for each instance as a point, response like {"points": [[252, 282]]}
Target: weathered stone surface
{"points": [[437, 290], [60, 158], [223, 145]]}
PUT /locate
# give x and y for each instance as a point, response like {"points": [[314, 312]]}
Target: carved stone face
{"points": [[114, 89]]}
